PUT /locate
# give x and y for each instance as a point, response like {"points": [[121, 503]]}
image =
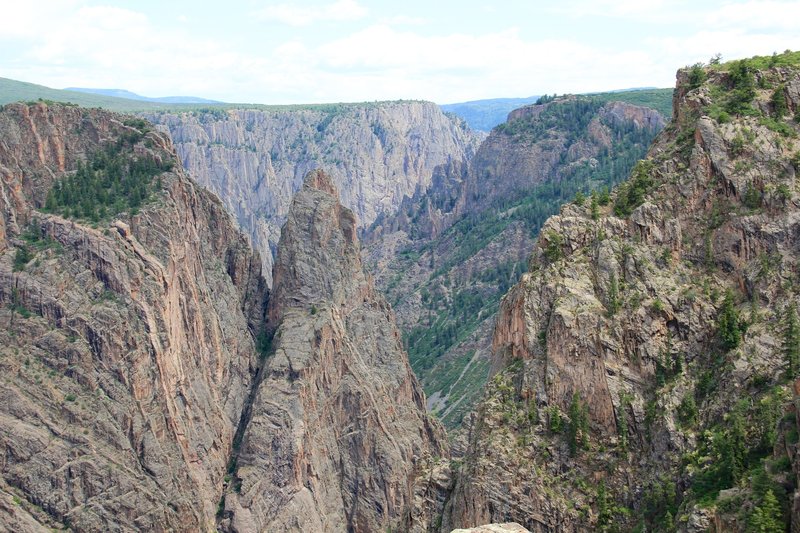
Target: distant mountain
{"points": [[483, 115], [122, 93], [20, 91]]}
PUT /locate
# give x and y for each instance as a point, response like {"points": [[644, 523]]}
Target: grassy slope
{"points": [[658, 99]]}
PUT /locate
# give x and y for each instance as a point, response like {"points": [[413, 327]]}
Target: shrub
{"points": [[722, 117], [778, 126], [751, 197], [783, 193], [697, 76], [687, 411], [605, 196], [743, 88], [779, 107], [553, 249], [631, 194], [737, 145], [22, 257]]}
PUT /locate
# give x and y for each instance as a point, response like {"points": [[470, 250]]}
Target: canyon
{"points": [[601, 304], [255, 160]]}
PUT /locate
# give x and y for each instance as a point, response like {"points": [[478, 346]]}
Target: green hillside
{"points": [[20, 91], [658, 99]]}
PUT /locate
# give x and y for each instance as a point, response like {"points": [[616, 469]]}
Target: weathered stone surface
{"points": [[623, 316], [338, 429], [376, 153], [126, 351]]}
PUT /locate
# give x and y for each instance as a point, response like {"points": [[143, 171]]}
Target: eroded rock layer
{"points": [[127, 344], [643, 367], [255, 160], [338, 429]]}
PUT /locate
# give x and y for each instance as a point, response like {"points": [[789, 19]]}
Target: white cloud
{"points": [[298, 16], [404, 64], [26, 20], [101, 46], [633, 9], [757, 15], [732, 44], [405, 20], [75, 43]]}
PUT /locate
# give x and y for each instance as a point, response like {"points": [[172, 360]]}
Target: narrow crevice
{"points": [[263, 342]]}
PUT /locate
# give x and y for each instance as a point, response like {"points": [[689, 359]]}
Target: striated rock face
{"points": [[640, 371], [256, 160], [126, 349], [539, 143], [337, 431], [451, 252]]}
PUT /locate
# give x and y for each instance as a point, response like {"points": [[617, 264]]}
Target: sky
{"points": [[314, 51]]}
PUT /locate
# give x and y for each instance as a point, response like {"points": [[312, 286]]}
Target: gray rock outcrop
{"points": [[127, 345], [338, 429], [647, 338], [255, 160]]}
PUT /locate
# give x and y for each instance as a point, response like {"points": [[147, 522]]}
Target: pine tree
{"points": [[605, 514], [605, 196], [554, 419], [779, 101], [668, 523], [767, 517], [728, 324], [791, 342], [578, 430]]}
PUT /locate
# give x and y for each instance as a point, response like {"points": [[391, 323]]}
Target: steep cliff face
{"points": [[255, 160], [643, 367], [449, 254], [126, 345], [337, 431]]}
